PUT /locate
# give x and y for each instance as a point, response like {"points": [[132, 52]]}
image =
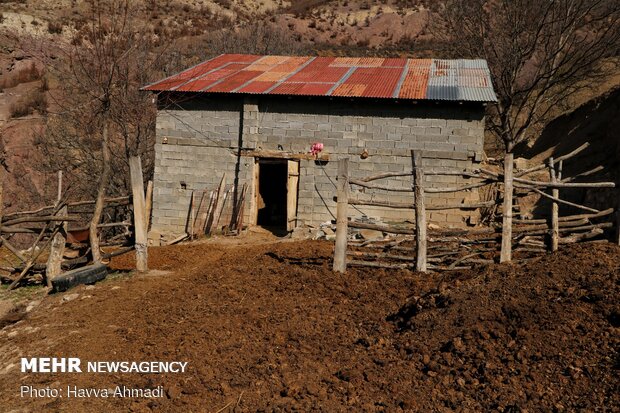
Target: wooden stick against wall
{"points": [[555, 223], [192, 215], [340, 251], [219, 204], [139, 213], [240, 210], [149, 203], [420, 211]]}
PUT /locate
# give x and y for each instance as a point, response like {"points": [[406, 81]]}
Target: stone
{"points": [[301, 233], [32, 305], [69, 297], [371, 234], [328, 230]]}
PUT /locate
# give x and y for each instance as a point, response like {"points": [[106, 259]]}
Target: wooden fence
{"points": [[124, 228], [463, 246]]}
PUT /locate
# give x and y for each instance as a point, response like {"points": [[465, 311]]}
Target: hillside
{"points": [[327, 27], [190, 31]]}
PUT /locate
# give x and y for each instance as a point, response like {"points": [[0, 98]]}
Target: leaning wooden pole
{"points": [[506, 252], [420, 211], [219, 204], [555, 223], [149, 203], [342, 228], [139, 213]]}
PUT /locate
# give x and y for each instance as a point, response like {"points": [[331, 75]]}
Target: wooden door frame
{"points": [[293, 167]]}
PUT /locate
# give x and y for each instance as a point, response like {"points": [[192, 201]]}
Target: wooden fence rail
{"points": [[522, 232], [49, 225]]}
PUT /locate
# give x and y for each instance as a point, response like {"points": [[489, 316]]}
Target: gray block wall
{"points": [[199, 138]]}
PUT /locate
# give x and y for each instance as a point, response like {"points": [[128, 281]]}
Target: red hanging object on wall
{"points": [[316, 148]]}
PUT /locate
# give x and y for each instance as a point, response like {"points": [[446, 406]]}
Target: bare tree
{"points": [[102, 117], [256, 38], [539, 52]]}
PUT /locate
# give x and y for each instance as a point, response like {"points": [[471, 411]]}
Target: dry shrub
{"points": [[301, 8], [54, 27], [35, 101], [227, 4]]}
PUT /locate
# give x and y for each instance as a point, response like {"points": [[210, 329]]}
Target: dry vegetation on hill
{"points": [[182, 33]]}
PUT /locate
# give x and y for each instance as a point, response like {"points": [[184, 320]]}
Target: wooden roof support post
{"points": [[420, 211], [139, 213], [506, 253], [342, 227]]}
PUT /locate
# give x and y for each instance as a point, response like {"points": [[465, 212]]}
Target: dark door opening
{"points": [[273, 175]]}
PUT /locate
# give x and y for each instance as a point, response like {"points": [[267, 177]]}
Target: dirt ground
{"points": [[270, 328]]}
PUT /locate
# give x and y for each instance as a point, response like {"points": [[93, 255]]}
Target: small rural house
{"points": [[279, 124]]}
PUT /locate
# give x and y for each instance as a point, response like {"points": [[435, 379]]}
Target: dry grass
{"points": [[35, 101]]}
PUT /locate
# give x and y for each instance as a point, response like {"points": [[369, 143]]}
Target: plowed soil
{"points": [[270, 328]]}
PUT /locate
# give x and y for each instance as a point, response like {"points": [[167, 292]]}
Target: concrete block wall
{"points": [[204, 134]]}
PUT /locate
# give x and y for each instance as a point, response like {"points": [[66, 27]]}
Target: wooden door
{"points": [[292, 185]]}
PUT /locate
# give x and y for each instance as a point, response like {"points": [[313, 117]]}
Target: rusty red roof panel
{"points": [[175, 81], [234, 81], [416, 80], [303, 89], [369, 77], [395, 62], [208, 79], [256, 86]]}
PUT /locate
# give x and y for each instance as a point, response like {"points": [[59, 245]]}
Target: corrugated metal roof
{"points": [[396, 78]]}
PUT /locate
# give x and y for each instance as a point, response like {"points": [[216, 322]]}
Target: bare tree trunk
{"points": [[103, 183], [506, 253]]}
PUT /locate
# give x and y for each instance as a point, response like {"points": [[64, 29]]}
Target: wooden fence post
{"points": [[57, 245], [420, 211], [555, 192], [342, 226], [139, 213], [506, 252]]}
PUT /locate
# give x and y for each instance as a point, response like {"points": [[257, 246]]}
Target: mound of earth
{"points": [[270, 328]]}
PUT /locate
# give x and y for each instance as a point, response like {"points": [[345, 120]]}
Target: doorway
{"points": [[276, 189], [273, 175]]}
